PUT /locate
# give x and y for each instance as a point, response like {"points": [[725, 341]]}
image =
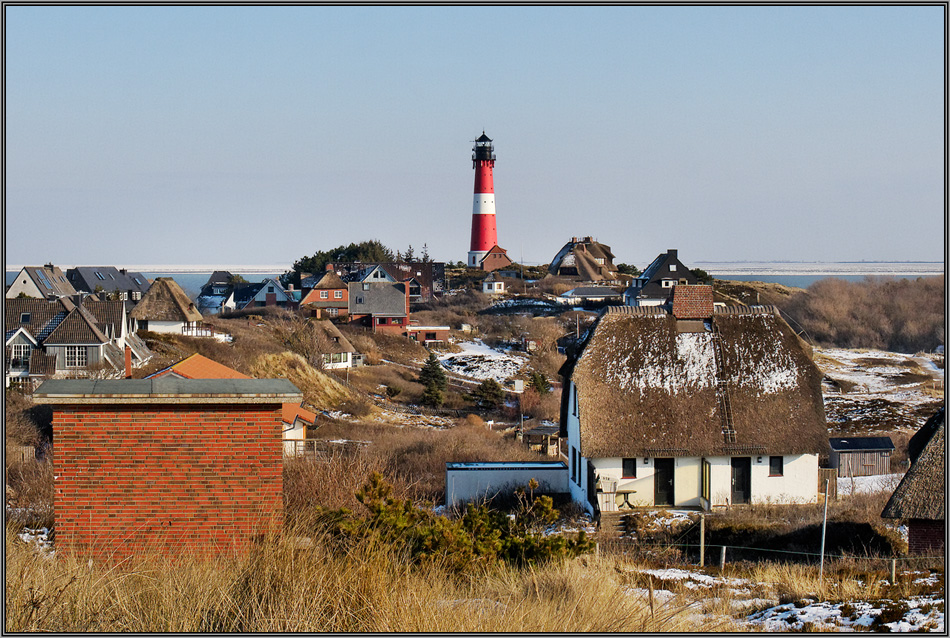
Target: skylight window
{"points": [[100, 276]]}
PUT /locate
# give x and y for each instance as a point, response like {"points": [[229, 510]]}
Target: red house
{"points": [[166, 465]]}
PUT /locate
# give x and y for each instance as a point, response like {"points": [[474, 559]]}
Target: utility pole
{"points": [[824, 526]]}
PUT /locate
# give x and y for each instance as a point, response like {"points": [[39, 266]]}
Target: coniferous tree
{"points": [[489, 394], [540, 383], [432, 374]]}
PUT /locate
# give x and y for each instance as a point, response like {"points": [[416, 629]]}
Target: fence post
{"points": [[893, 571], [722, 558], [702, 540]]}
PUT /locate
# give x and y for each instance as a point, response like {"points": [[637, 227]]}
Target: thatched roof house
{"points": [[165, 308], [734, 382], [921, 496], [584, 259]]}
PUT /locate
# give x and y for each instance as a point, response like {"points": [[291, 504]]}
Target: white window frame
{"points": [[76, 356], [338, 294], [20, 352], [324, 294]]}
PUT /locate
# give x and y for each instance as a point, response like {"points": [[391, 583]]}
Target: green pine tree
{"points": [[432, 373], [489, 394]]}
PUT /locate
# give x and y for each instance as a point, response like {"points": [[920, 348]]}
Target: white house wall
{"points": [[24, 284], [173, 327], [798, 483], [466, 485]]}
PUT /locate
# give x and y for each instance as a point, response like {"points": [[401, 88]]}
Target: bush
{"points": [[481, 535], [900, 315], [488, 394]]}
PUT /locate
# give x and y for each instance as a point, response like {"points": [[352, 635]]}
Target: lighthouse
{"points": [[484, 236]]}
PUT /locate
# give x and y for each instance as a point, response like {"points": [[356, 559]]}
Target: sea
{"points": [[795, 274]]}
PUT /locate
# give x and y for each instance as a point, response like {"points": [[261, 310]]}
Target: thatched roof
{"points": [[647, 386], [922, 493], [922, 437], [165, 301], [335, 341], [579, 259]]}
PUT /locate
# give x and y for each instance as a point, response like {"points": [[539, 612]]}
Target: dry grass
{"points": [[280, 587], [321, 391]]}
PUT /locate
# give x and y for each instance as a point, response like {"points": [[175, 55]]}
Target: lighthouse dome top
{"points": [[484, 138]]}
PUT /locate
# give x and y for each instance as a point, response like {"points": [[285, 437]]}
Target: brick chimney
{"points": [[128, 362], [692, 302]]}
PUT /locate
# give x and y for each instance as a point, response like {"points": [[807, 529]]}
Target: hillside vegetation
{"points": [[899, 315]]}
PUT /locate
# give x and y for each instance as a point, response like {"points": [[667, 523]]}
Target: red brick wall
{"points": [[171, 479], [926, 537], [692, 302]]}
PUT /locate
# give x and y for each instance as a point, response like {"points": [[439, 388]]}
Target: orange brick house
{"points": [[166, 465], [327, 296]]}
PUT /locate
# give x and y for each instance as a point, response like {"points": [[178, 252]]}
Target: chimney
{"points": [[672, 253], [329, 267], [128, 362], [693, 302]]}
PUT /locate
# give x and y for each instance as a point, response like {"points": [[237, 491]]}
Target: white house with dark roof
{"points": [[118, 282], [40, 282], [267, 293], [692, 407], [655, 285], [56, 338]]}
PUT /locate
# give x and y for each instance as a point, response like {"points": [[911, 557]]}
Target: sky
{"points": [[259, 135]]}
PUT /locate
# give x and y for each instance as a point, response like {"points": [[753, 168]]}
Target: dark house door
{"points": [[592, 486], [741, 480], [663, 481]]}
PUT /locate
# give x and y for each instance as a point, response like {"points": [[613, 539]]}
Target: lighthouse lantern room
{"points": [[484, 235]]}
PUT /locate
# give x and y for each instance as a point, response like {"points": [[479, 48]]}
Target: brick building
{"points": [[166, 465]]}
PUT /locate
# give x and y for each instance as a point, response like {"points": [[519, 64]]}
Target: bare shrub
{"points": [[472, 420], [30, 493], [900, 315]]}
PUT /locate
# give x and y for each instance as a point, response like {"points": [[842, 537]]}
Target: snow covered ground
{"points": [[874, 391], [868, 484], [478, 361]]}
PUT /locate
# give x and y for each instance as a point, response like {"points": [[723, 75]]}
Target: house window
{"points": [[430, 336], [324, 294], [136, 295], [629, 468], [75, 356], [123, 296], [270, 289], [672, 267], [25, 317], [359, 300], [338, 294], [20, 353], [333, 312], [99, 276], [776, 466], [574, 464], [365, 286]]}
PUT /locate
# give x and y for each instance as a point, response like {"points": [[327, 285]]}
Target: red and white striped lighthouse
{"points": [[484, 236]]}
